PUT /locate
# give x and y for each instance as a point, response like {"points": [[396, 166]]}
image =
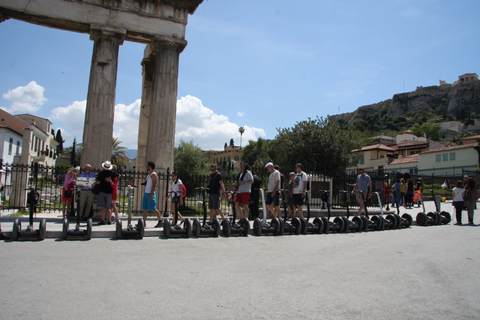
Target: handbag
{"points": [[68, 194], [96, 189]]}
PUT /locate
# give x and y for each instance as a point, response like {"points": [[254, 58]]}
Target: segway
{"points": [[260, 227], [356, 224], [433, 218], [205, 228], [374, 223], [175, 229], [338, 224], [33, 197], [394, 220], [231, 227], [317, 226], [77, 233], [289, 226], [131, 232]]}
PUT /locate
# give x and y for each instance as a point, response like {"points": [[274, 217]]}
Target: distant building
{"points": [[467, 77], [230, 155]]}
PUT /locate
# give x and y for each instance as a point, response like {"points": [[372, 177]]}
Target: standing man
{"points": [[215, 184], [299, 189], [255, 197], [104, 198], [149, 202], [245, 182], [86, 195], [364, 184], [273, 190]]}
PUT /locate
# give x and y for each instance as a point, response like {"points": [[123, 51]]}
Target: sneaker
{"points": [[109, 222], [458, 224], [159, 224], [102, 223]]}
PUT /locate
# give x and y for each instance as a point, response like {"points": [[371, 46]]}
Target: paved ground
{"points": [[416, 273]]}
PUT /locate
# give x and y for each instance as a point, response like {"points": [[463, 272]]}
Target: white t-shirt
{"points": [[176, 188], [273, 181], [298, 182], [458, 194]]}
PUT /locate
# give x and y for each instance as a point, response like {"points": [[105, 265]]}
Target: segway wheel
{"points": [[216, 227], [245, 224], [446, 217], [377, 223], [391, 220], [140, 228], [346, 224], [196, 228], [433, 218], [65, 229], [407, 222], [359, 222], [318, 223], [282, 226], [187, 225], [226, 227], [300, 225], [382, 219], [422, 219], [365, 222], [17, 225], [340, 223], [89, 229], [276, 225], [118, 229], [167, 228], [326, 224], [399, 220], [257, 227], [42, 230]]}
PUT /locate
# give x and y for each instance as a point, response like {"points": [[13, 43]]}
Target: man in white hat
{"points": [[273, 190], [2, 236], [104, 198]]}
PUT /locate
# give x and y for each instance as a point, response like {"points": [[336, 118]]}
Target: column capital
{"points": [[98, 31], [174, 44]]}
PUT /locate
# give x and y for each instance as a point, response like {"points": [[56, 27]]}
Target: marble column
{"points": [[163, 109], [99, 114]]}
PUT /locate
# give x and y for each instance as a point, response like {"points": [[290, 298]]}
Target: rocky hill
{"points": [[460, 101]]}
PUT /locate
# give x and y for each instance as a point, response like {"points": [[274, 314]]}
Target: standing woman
{"points": [[177, 196], [68, 189], [113, 207], [470, 196], [458, 201]]}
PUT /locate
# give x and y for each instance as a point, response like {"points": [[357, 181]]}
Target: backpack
{"points": [[184, 191]]}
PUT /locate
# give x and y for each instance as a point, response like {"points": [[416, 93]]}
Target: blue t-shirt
{"points": [[363, 182]]}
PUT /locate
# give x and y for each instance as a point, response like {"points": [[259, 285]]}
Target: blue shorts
{"points": [[147, 204], [275, 199]]}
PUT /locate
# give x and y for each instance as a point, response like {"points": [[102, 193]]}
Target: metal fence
{"points": [[49, 181]]}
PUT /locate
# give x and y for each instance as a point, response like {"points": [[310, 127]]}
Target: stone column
{"points": [[163, 109], [99, 114]]}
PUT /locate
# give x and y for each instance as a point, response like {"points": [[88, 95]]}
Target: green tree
{"points": [[258, 153], [119, 154], [319, 144], [189, 159], [430, 129], [75, 152]]}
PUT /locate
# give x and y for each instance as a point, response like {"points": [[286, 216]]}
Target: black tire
{"points": [[377, 223], [365, 223], [140, 228], [340, 223], [421, 219], [167, 228], [277, 226], [257, 227], [399, 220], [187, 225], [434, 218], [65, 229], [446, 217], [42, 230], [359, 222], [303, 225], [298, 224], [407, 222], [390, 221], [245, 224], [118, 229], [196, 228], [216, 227], [383, 222], [226, 227], [17, 226], [346, 224], [326, 225], [89, 229], [282, 226], [318, 223]]}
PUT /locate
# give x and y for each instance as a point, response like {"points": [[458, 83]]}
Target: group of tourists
{"points": [[465, 196]]}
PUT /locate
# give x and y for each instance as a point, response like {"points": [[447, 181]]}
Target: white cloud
{"points": [[207, 129], [25, 99], [240, 114]]}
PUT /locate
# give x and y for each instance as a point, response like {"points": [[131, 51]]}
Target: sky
{"points": [[263, 65]]}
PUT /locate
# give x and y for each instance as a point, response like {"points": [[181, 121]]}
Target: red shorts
{"points": [[242, 197]]}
